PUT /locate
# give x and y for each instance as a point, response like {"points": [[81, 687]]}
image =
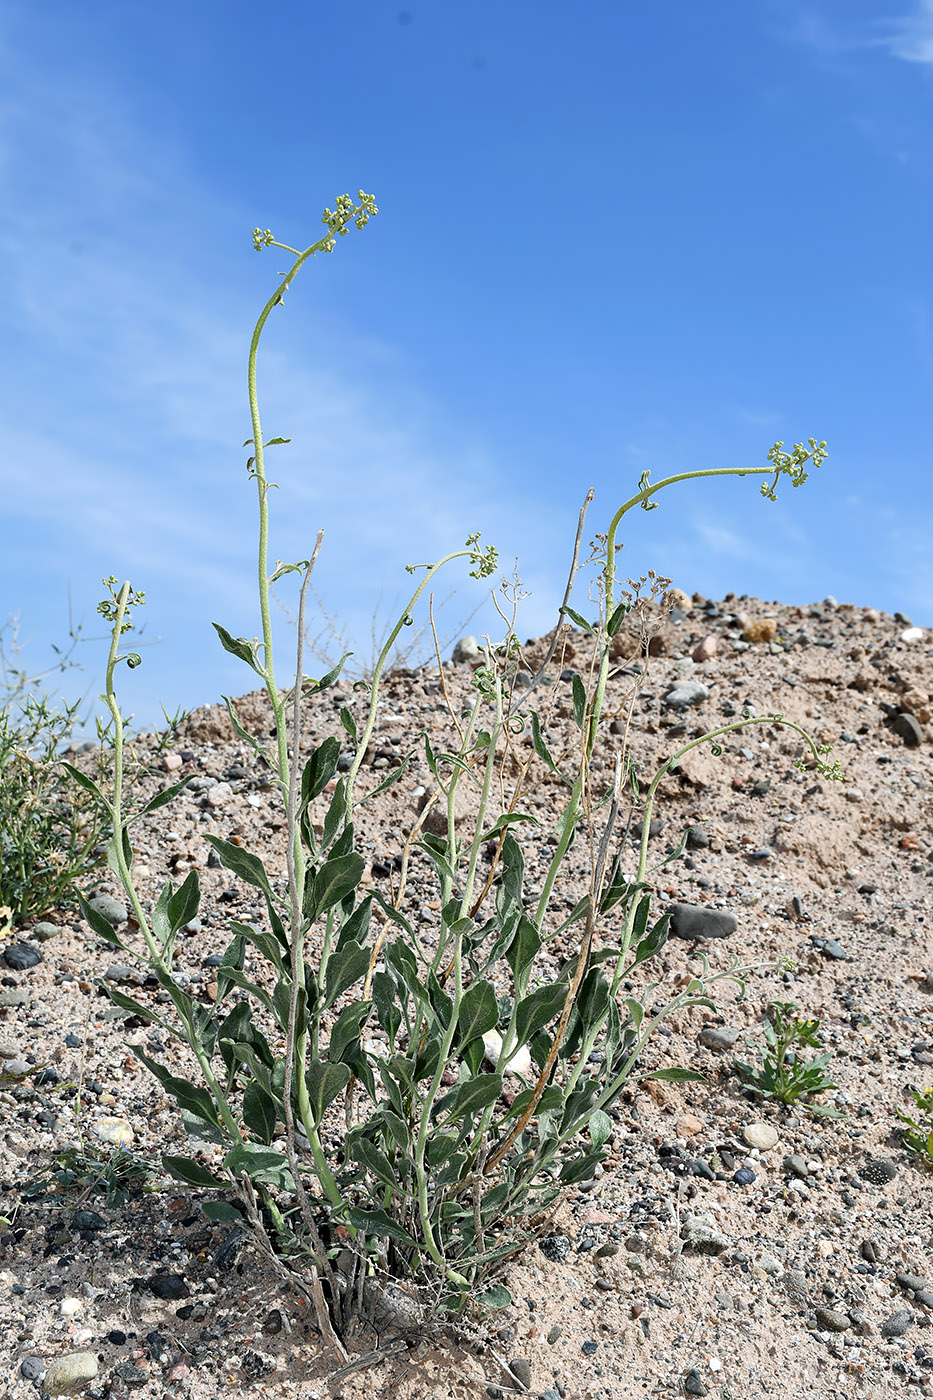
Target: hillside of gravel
{"points": [[731, 1246]]}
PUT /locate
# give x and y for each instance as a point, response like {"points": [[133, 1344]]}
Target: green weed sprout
{"points": [[358, 1167], [918, 1136], [784, 1074]]}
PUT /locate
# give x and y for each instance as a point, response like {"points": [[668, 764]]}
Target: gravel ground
{"points": [[730, 1247]]}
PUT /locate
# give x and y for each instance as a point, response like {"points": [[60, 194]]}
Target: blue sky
{"points": [[612, 236]]}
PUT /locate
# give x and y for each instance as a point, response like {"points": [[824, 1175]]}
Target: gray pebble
{"points": [[13, 997], [796, 1165], [43, 931], [21, 956], [717, 1037], [555, 1334], [694, 1383], [831, 1320], [911, 1281], [697, 921], [908, 729], [521, 1370], [878, 1172], [118, 972], [701, 1233], [686, 693], [32, 1368], [897, 1324], [109, 908]]}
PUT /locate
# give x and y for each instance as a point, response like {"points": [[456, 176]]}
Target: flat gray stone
{"points": [[718, 1037], [701, 1234], [109, 908], [685, 694], [698, 921], [897, 1324]]}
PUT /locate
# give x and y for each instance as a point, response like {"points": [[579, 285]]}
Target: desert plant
{"points": [[784, 1074], [49, 833], [388, 1177], [918, 1136]]}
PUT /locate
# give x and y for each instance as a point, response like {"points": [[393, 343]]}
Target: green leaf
{"points": [[387, 782], [512, 877], [600, 1127], [523, 948], [84, 781], [540, 747], [244, 734], [232, 960], [579, 699], [99, 924], [163, 798], [273, 442], [331, 675], [479, 1012], [237, 646], [371, 1157], [135, 1008], [325, 1081], [267, 945], [243, 864], [347, 1027], [376, 1222], [496, 1296], [318, 771], [507, 819], [222, 1213], [336, 812], [259, 1112], [189, 1171], [476, 1094], [349, 723], [345, 966], [260, 1164], [336, 878], [674, 1074], [576, 617], [183, 905], [619, 613], [191, 1098], [537, 1009]]}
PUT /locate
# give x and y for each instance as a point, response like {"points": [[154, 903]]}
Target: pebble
{"points": [[21, 956], [131, 1374], [14, 997], [897, 1324], [70, 1373], [908, 729], [717, 1037], [830, 948], [590, 1348], [118, 972], [109, 908], [764, 629], [32, 1368], [911, 634], [703, 1235], [466, 651], [878, 1172], [831, 1320], [705, 650], [169, 1287], [218, 796], [685, 694], [555, 1247], [115, 1130], [697, 838], [88, 1220], [257, 1364], [17, 1067], [171, 762], [796, 1165], [760, 1135], [43, 930], [744, 1176], [694, 1383], [688, 1125], [555, 1334], [697, 921], [521, 1370], [912, 1282]]}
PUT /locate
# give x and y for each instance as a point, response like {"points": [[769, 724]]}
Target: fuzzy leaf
{"points": [[318, 771], [579, 700], [479, 1012], [336, 878], [674, 1074], [163, 798], [538, 1008], [221, 1212], [183, 904], [189, 1171], [259, 1112], [325, 1081], [576, 617], [376, 1222], [476, 1094], [243, 864], [260, 1164], [619, 613], [99, 924], [237, 646]]}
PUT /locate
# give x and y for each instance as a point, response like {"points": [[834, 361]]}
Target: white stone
{"points": [[912, 634], [760, 1135], [115, 1130], [519, 1061], [70, 1307]]}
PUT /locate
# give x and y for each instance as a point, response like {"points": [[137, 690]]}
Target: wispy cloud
{"points": [[911, 36]]}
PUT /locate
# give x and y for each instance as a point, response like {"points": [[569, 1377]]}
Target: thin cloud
{"points": [[912, 39]]}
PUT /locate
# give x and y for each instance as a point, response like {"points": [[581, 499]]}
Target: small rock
{"points": [[760, 1135], [908, 728], [520, 1061], [21, 956], [521, 1370], [770, 1264], [694, 1383], [697, 838], [830, 948], [744, 1176], [119, 972], [70, 1373], [115, 1130], [109, 908], [131, 1374], [879, 1171], [466, 652], [17, 1067], [14, 996], [764, 629], [555, 1334], [796, 1165], [590, 1348], [831, 1320], [794, 1283], [696, 921], [705, 650], [43, 931], [171, 762], [257, 1364], [703, 1235], [911, 1281], [555, 1247], [218, 796], [688, 1125], [88, 1220], [32, 1368], [870, 1251], [168, 1287], [717, 1037], [685, 694], [897, 1324], [911, 635]]}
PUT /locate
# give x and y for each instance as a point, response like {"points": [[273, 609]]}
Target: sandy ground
{"points": [[629, 1301]]}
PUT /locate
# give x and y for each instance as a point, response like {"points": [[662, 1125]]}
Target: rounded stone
{"points": [[521, 1370], [43, 931], [32, 1368], [555, 1247], [831, 1320], [21, 956], [70, 1374], [697, 921], [878, 1171], [897, 1324], [115, 1130], [109, 908], [760, 1135]]}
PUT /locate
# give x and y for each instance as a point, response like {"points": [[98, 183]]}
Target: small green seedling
{"points": [[918, 1137], [784, 1074], [115, 1175]]}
